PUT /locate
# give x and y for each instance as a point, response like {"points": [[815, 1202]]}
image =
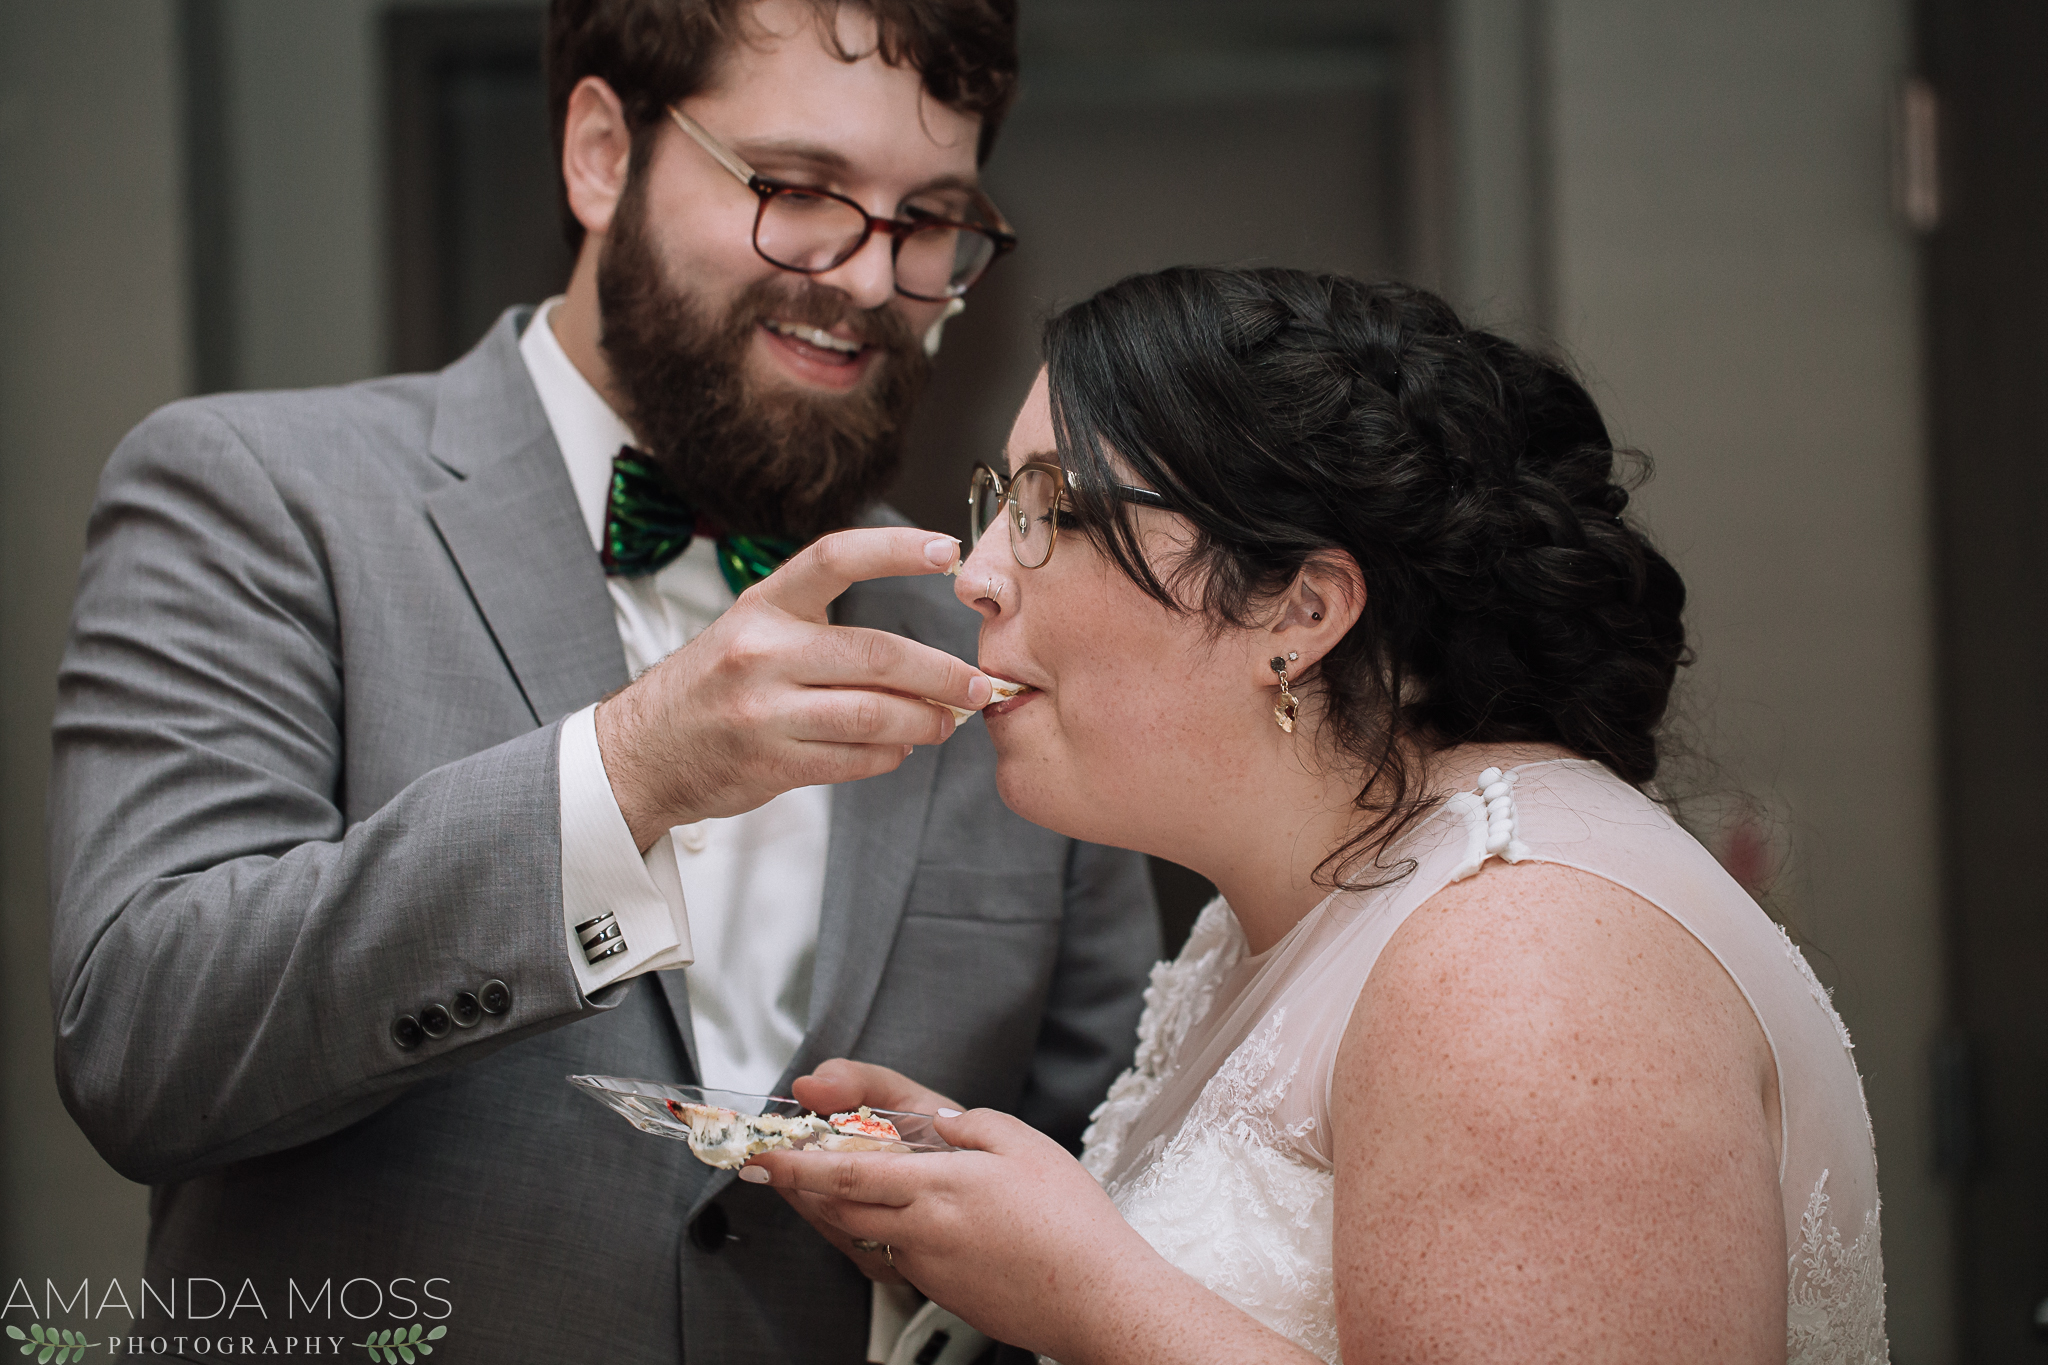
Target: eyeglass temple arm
{"points": [[1003, 237], [1127, 492], [721, 153]]}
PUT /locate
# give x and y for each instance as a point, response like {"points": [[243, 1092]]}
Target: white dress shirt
{"points": [[753, 884]]}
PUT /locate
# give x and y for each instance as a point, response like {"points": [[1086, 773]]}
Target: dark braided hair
{"points": [[1287, 415]]}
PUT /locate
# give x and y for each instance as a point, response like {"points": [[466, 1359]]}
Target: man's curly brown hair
{"points": [[655, 52]]}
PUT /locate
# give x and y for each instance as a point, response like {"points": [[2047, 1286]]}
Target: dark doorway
{"points": [[471, 174], [1987, 293], [1296, 132]]}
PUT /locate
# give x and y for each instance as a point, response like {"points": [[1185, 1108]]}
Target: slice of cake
{"points": [[725, 1138], [1002, 691], [861, 1130]]}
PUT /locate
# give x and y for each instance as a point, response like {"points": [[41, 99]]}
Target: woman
{"points": [[1319, 588]]}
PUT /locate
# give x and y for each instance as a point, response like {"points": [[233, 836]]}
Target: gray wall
{"points": [[1690, 197], [1708, 235], [91, 338], [306, 157], [1729, 271]]}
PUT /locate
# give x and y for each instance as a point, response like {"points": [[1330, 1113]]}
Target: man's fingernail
{"points": [[942, 554], [980, 689], [946, 1113], [753, 1175]]}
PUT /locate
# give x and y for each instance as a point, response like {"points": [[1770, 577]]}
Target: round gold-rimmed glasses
{"points": [[1029, 500]]}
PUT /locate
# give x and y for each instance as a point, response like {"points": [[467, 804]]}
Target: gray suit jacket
{"points": [[305, 783]]}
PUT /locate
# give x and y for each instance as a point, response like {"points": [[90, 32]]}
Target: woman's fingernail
{"points": [[980, 689], [942, 554], [946, 1113], [753, 1175]]}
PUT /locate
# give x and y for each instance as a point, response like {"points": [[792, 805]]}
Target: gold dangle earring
{"points": [[1288, 707]]}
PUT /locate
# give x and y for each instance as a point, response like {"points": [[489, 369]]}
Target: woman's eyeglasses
{"points": [[1029, 500], [810, 231]]}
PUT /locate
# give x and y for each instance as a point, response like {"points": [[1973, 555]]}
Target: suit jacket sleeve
{"points": [[1108, 943], [227, 958]]}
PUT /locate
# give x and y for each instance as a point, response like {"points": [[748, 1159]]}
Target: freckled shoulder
{"points": [[1537, 942], [1551, 1093]]}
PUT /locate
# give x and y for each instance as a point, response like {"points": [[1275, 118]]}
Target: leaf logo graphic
{"points": [[395, 1344], [51, 1343]]}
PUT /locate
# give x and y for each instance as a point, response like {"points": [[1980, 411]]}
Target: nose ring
{"points": [[995, 590]]}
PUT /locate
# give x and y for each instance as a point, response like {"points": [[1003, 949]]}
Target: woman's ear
{"points": [[597, 153], [1318, 609]]}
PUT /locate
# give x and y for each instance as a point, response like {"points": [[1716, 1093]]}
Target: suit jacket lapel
{"points": [[511, 524], [675, 988], [869, 865]]}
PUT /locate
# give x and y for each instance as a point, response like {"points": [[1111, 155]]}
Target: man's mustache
{"points": [[810, 304]]}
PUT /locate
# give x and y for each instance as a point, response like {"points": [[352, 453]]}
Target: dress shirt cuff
{"points": [[603, 874]]}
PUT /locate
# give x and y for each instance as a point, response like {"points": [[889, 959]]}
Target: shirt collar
{"points": [[587, 430]]}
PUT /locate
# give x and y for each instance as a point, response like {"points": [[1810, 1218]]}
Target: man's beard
{"points": [[781, 462]]}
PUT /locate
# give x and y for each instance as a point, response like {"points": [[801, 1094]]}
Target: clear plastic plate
{"points": [[651, 1106]]}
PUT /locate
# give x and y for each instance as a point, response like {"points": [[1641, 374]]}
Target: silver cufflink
{"points": [[601, 938]]}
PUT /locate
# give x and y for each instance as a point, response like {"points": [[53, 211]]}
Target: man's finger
{"points": [[854, 656], [829, 765], [828, 566], [851, 715]]}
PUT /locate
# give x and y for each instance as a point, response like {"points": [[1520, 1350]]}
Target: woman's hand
{"points": [[1011, 1233], [840, 1085], [836, 1087]]}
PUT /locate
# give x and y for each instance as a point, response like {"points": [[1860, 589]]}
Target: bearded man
{"points": [[426, 741]]}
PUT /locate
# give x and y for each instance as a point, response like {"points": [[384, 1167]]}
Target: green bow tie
{"points": [[646, 526]]}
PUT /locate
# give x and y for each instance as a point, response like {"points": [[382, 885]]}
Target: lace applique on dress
{"points": [[1180, 994], [1834, 1301], [1229, 1201], [1239, 1193], [1240, 1099], [1821, 994]]}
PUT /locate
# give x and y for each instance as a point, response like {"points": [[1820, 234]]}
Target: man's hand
{"points": [[772, 697]]}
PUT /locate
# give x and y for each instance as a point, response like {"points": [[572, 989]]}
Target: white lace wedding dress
{"points": [[1216, 1144]]}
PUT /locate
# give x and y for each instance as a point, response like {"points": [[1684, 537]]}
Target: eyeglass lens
{"points": [[815, 232], [1029, 509]]}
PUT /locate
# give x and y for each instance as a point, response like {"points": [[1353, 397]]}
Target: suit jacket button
{"points": [[709, 1230], [465, 1008], [495, 997], [406, 1032], [436, 1021]]}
